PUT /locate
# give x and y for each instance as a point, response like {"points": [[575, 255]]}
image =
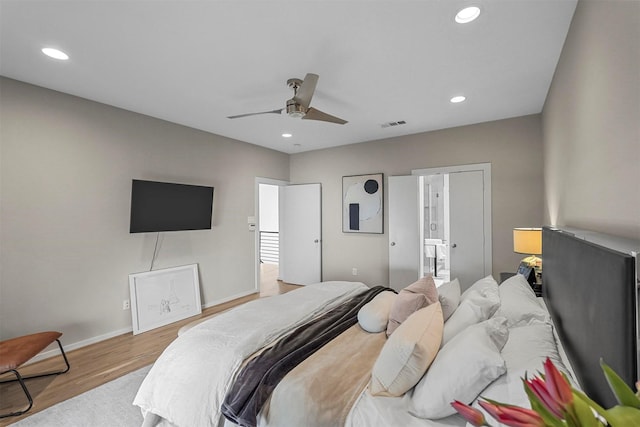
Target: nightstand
{"points": [[537, 288], [505, 275]]}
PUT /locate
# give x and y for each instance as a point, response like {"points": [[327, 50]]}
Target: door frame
{"points": [[486, 170], [256, 262]]}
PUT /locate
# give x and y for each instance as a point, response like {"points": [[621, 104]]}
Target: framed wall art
{"points": [[362, 204], [164, 296]]}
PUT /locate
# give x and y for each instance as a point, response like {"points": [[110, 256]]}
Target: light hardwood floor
{"points": [[107, 360]]}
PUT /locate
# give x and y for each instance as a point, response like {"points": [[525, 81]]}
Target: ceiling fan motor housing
{"points": [[294, 109]]}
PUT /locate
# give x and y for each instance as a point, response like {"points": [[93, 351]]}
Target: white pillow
{"points": [[487, 283], [374, 315], [529, 346], [518, 302], [461, 370], [477, 306], [524, 354], [408, 352], [449, 297], [487, 300]]}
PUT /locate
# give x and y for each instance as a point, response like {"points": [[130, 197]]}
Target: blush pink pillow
{"points": [[411, 299]]}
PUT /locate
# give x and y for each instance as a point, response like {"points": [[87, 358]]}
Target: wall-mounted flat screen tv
{"points": [[164, 206]]}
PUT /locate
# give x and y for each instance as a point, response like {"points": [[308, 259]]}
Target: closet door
{"points": [[405, 230], [467, 234]]}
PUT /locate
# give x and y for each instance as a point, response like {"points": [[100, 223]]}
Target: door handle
{"points": [[454, 246], [316, 241], [393, 243]]}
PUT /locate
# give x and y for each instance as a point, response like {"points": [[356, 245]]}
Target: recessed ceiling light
{"points": [[467, 14], [457, 99], [287, 135], [55, 53]]}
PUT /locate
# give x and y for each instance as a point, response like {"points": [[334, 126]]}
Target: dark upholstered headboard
{"points": [[591, 293]]}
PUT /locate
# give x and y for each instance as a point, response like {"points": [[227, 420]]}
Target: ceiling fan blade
{"points": [[278, 111], [305, 92], [313, 114]]}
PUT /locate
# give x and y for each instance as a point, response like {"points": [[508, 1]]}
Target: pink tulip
{"points": [[554, 392], [540, 390], [557, 385], [513, 416], [470, 414]]}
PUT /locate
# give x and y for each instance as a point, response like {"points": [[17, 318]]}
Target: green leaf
{"points": [[623, 416], [577, 394], [624, 394], [584, 414]]}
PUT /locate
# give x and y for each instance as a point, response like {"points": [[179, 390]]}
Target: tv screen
{"points": [[164, 206]]}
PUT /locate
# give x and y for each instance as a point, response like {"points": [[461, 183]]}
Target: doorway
{"points": [[458, 221], [268, 236], [436, 259], [440, 223], [287, 227], [267, 230]]}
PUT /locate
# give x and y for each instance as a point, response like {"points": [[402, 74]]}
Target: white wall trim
{"points": [[55, 351], [449, 169], [227, 299]]}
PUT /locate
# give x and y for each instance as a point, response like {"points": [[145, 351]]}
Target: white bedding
{"points": [[392, 411], [530, 345], [188, 382]]}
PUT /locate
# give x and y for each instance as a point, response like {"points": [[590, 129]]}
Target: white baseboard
{"points": [[55, 351], [231, 298]]}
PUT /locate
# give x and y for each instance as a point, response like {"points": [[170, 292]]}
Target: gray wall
{"points": [[513, 147], [67, 164], [66, 251], [591, 122]]}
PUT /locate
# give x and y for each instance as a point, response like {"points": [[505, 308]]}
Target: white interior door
{"points": [[300, 234], [405, 230], [466, 221]]}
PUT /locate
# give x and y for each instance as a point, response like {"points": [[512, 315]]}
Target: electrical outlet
{"points": [[126, 304], [354, 271]]}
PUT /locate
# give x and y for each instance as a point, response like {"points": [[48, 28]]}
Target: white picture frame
{"points": [[161, 297]]}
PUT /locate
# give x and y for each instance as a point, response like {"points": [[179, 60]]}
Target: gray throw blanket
{"points": [[260, 376]]}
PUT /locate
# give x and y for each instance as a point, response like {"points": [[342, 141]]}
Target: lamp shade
{"points": [[527, 241]]}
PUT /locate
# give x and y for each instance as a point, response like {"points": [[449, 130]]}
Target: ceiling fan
{"points": [[298, 106]]}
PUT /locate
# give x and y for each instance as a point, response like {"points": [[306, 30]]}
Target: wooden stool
{"points": [[16, 351]]}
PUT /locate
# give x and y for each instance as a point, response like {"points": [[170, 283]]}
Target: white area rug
{"points": [[109, 405]]}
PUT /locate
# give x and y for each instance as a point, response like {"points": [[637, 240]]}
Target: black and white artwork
{"points": [[160, 297], [362, 204]]}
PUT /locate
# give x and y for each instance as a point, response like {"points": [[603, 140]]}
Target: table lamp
{"points": [[529, 241]]}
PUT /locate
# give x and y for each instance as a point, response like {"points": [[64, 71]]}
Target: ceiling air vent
{"points": [[391, 124]]}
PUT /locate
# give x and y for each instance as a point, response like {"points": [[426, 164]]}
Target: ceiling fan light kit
{"points": [[298, 106]]}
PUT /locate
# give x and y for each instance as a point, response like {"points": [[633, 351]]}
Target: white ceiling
{"points": [[197, 62]]}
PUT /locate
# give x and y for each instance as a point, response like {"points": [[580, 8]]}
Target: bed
{"points": [[238, 369]]}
